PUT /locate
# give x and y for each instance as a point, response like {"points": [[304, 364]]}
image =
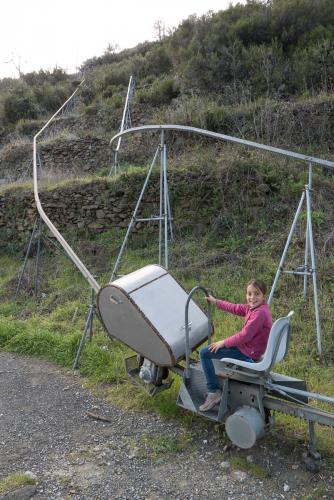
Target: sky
{"points": [[44, 34]]}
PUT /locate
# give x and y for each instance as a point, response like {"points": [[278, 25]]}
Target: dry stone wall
{"points": [[59, 158], [90, 208]]}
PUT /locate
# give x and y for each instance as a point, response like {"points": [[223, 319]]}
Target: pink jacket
{"points": [[253, 337]]}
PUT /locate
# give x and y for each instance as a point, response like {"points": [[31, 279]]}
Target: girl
{"points": [[249, 344]]}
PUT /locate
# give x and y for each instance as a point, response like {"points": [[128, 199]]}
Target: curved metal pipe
{"points": [[70, 252], [228, 138], [198, 287]]}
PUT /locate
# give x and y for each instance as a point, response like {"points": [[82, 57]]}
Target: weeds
{"points": [[14, 481], [241, 463], [163, 446]]}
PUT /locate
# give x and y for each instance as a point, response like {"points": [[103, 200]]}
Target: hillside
{"points": [[261, 70]]}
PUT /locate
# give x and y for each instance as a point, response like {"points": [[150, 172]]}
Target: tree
{"points": [[159, 30]]}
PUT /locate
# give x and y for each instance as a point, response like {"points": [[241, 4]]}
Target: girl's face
{"points": [[254, 296]]}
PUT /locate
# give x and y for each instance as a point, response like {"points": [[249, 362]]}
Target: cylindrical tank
{"points": [[245, 426], [146, 311]]}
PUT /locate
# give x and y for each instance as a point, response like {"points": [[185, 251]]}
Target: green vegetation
{"points": [[160, 448], [32, 95], [14, 481], [241, 463]]}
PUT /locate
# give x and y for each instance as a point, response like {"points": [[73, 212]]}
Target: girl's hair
{"points": [[260, 285]]}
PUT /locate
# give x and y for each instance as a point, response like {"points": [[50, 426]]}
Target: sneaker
{"points": [[211, 400]]}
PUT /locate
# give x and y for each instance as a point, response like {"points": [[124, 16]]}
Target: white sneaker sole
{"points": [[209, 406]]}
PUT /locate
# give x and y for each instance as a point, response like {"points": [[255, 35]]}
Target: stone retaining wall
{"points": [[58, 158], [88, 207]]}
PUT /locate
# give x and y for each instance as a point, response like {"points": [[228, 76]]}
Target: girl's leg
{"points": [[206, 357], [208, 367]]}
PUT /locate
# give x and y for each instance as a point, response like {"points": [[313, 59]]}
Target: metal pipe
{"points": [[133, 218], [291, 390], [153, 218], [37, 256], [92, 305], [228, 138], [186, 314], [26, 258], [115, 162], [170, 217], [124, 113], [83, 338], [161, 197], [165, 205], [307, 234], [70, 252], [122, 127], [314, 274], [298, 273]]}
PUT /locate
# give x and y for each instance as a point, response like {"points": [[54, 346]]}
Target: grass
{"points": [[51, 327], [241, 463], [14, 481], [162, 447]]}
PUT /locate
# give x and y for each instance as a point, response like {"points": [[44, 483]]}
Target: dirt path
{"points": [[45, 429]]}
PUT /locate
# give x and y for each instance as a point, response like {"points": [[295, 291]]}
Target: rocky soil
{"points": [[48, 430]]}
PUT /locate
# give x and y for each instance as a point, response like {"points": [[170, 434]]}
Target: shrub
{"points": [[157, 61], [20, 104], [50, 97], [115, 74], [195, 111], [88, 93], [116, 101], [41, 77], [161, 92], [28, 127], [215, 119]]}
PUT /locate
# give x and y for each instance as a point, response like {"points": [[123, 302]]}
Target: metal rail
{"points": [[228, 138], [70, 252], [291, 390], [125, 123], [305, 412]]}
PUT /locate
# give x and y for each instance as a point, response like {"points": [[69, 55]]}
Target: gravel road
{"points": [[45, 429]]}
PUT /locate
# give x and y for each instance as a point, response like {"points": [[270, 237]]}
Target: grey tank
{"points": [[146, 311]]}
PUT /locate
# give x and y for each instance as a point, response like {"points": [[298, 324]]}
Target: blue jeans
{"points": [[207, 356]]}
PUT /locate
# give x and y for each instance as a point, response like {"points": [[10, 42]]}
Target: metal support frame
{"points": [[92, 311], [37, 232], [165, 216], [125, 123], [36, 223], [312, 440], [305, 270]]}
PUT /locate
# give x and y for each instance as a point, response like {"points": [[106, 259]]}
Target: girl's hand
{"points": [[210, 298], [216, 345]]}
